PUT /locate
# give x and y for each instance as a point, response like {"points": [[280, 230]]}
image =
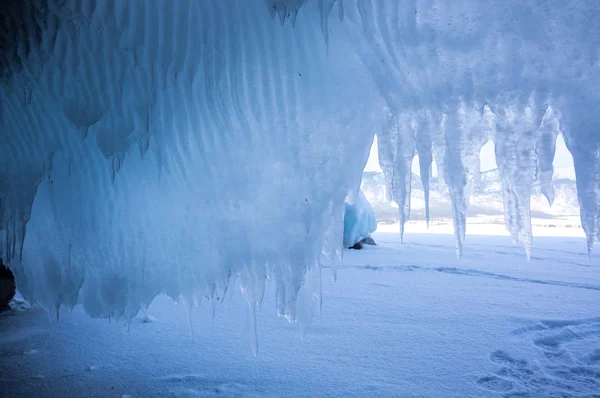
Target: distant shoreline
{"points": [[490, 225]]}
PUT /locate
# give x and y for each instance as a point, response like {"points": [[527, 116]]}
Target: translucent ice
{"points": [[359, 221]]}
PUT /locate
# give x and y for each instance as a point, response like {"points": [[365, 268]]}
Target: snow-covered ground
{"points": [[566, 226], [407, 320]]}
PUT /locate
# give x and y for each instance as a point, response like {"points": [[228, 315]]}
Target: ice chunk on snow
{"points": [[359, 221]]}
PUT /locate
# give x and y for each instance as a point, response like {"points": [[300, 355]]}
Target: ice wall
{"points": [[173, 146]]}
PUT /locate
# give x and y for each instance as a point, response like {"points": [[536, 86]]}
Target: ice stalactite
{"points": [[332, 247], [515, 138], [386, 158], [422, 125], [463, 132], [325, 7], [397, 150], [582, 137], [545, 148], [285, 9]]}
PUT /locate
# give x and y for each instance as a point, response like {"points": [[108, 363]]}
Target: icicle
{"points": [[52, 318], [226, 288], [386, 159], [475, 181], [515, 141], [583, 142], [590, 245], [396, 145], [253, 332], [332, 251], [309, 296], [286, 9], [283, 15], [248, 289], [213, 309], [464, 130], [116, 164], [294, 16], [318, 293], [197, 299], [455, 177], [54, 313], [545, 147], [325, 7], [423, 143], [188, 312]]}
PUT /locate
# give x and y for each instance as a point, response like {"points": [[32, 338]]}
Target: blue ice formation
{"points": [[144, 146], [359, 221]]}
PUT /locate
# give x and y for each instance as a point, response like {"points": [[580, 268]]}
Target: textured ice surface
{"points": [[359, 221], [172, 146]]}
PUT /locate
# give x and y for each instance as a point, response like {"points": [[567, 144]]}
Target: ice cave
{"points": [[188, 151]]}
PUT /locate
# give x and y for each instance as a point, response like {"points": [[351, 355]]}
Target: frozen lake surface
{"points": [[407, 320]]}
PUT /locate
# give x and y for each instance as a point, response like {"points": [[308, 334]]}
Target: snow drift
{"points": [[172, 146]]}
